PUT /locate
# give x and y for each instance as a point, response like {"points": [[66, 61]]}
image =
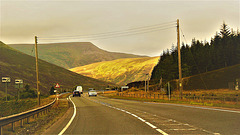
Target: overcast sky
{"points": [[21, 20]]}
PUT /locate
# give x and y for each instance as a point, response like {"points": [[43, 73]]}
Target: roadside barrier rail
{"points": [[24, 115]]}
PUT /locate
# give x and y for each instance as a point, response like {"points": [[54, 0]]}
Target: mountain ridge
{"points": [[71, 54], [18, 65]]}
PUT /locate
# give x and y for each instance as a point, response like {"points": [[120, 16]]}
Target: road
{"points": [[101, 115]]}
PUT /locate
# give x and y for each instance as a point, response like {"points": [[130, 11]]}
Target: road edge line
{"points": [[69, 123]]}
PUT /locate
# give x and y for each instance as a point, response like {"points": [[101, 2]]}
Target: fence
{"points": [[188, 97]]}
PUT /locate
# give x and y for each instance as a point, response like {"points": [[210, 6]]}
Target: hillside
{"points": [[18, 65], [121, 71], [217, 79], [70, 55]]}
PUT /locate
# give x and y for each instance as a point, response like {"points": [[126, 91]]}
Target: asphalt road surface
{"points": [[101, 115]]}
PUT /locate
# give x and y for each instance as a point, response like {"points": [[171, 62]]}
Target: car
{"points": [[76, 93], [92, 93]]}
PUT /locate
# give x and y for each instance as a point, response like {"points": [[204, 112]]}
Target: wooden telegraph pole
{"points": [[179, 60], [37, 75]]}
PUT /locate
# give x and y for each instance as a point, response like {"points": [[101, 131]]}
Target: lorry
{"points": [[78, 91]]}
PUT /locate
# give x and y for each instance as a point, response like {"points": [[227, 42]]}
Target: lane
{"points": [[95, 118], [175, 119]]}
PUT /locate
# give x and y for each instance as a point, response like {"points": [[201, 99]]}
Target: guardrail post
{"points": [[13, 126], [1, 130], [21, 123], [27, 120]]}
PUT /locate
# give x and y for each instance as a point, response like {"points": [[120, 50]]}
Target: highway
{"points": [[101, 115]]}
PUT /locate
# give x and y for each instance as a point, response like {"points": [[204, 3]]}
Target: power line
{"points": [[205, 85], [112, 35], [128, 31]]}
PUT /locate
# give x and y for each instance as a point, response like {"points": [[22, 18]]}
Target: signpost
{"points": [[57, 86], [18, 85], [6, 80]]}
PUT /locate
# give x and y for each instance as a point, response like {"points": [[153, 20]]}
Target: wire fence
{"points": [[233, 99]]}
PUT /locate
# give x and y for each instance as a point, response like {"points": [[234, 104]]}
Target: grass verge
{"points": [[188, 102], [39, 124]]}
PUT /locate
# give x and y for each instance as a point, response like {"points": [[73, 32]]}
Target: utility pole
{"points": [[37, 75], [145, 85], [179, 60], [147, 82]]}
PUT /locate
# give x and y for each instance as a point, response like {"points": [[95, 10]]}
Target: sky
{"points": [[143, 27]]}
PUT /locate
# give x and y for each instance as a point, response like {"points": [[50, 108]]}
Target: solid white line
{"points": [[74, 114], [162, 132], [151, 125]]}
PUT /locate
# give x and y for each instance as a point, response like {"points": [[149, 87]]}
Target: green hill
{"points": [[18, 65], [121, 71], [70, 55], [217, 79]]}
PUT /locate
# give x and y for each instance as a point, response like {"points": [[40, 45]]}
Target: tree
{"points": [[225, 30]]}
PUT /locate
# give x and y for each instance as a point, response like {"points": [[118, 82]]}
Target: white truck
{"points": [[80, 89]]}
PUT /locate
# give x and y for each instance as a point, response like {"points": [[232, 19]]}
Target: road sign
{"points": [[57, 86], [6, 79], [18, 81]]}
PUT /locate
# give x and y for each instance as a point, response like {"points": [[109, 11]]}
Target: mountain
{"points": [[121, 71], [18, 65], [72, 54]]}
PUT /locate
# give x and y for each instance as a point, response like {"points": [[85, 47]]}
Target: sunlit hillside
{"points": [[121, 71]]}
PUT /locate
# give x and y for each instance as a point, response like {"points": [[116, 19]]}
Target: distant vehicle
{"points": [[92, 93], [80, 89], [76, 93]]}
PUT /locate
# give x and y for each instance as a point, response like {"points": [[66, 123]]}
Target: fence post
{"points": [[158, 96]]}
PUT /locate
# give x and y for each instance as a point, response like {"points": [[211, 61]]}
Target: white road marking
{"points": [[162, 132], [144, 121], [204, 108], [69, 123], [189, 129], [151, 125], [134, 115], [141, 119]]}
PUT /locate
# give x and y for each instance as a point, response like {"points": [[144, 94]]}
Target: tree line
{"points": [[223, 50]]}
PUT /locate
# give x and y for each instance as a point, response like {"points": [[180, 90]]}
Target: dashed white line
{"points": [[189, 129], [162, 132], [141, 119], [151, 125], [134, 115], [144, 121]]}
